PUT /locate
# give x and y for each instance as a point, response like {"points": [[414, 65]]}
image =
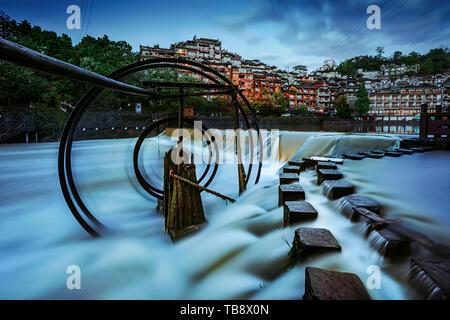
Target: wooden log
{"points": [[290, 192], [312, 241], [321, 284], [183, 208]]}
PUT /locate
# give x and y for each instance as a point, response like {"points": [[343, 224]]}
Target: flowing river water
{"points": [[241, 253]]}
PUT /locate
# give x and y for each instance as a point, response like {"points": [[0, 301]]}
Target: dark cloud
{"points": [[338, 28]]}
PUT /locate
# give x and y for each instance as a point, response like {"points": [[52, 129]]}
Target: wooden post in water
{"points": [[423, 122], [240, 165], [183, 208]]}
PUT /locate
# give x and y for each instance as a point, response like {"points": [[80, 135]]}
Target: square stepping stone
{"points": [[310, 241], [301, 164], [404, 151], [325, 165], [393, 154], [286, 178], [348, 203], [353, 156], [290, 192], [328, 174], [335, 189], [291, 169], [418, 149], [377, 151], [375, 155], [321, 284], [363, 153], [298, 211], [431, 277]]}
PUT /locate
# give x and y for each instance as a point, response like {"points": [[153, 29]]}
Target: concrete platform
{"points": [[328, 174], [335, 189], [353, 156], [286, 178], [298, 211], [325, 165], [348, 203], [321, 284], [311, 241], [290, 192], [291, 169]]}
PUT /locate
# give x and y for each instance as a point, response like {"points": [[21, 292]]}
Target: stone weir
{"points": [[396, 241]]}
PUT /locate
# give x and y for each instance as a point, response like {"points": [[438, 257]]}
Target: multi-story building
{"points": [[405, 101]]}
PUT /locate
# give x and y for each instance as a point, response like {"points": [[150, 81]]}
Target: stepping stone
{"points": [[389, 243], [377, 151], [321, 284], [328, 159], [353, 156], [325, 165], [428, 148], [291, 169], [392, 154], [310, 241], [286, 178], [301, 164], [298, 211], [335, 189], [328, 174], [418, 149], [290, 192], [375, 155], [348, 203], [363, 153], [431, 277], [405, 151]]}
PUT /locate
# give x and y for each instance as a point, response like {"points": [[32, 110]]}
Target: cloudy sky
{"points": [[280, 32]]}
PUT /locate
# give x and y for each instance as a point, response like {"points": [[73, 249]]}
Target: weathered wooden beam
{"points": [[21, 56]]}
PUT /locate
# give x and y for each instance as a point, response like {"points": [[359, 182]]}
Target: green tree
{"points": [[342, 107], [362, 104]]}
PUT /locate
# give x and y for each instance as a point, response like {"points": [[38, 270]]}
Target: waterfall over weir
{"points": [[242, 252]]}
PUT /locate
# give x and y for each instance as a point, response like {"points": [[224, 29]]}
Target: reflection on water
{"points": [[240, 253]]}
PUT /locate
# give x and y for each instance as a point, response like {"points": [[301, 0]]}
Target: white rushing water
{"points": [[242, 252]]}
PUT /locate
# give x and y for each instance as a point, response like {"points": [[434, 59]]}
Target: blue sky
{"points": [[280, 32]]}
